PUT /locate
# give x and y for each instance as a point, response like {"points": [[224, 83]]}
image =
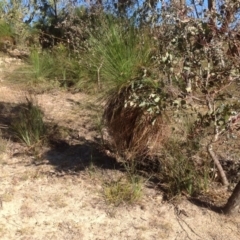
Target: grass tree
{"points": [[191, 75]]}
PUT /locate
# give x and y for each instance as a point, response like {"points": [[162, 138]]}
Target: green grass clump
{"points": [[41, 66], [123, 190], [118, 54], [67, 69], [56, 67], [38, 69], [29, 126]]}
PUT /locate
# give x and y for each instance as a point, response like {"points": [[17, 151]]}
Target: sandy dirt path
{"points": [[39, 202]]}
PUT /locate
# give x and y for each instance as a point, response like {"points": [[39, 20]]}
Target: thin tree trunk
{"points": [[218, 165], [233, 205]]}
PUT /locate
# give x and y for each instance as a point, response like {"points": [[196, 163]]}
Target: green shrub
{"points": [[179, 173]]}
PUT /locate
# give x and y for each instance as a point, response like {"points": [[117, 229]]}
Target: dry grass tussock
{"points": [[3, 143], [133, 130]]}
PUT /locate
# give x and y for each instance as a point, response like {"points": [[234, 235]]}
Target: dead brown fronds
{"points": [[135, 132]]}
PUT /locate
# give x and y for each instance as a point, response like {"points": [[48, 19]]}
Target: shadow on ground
{"points": [[77, 157], [8, 112], [70, 153], [207, 205]]}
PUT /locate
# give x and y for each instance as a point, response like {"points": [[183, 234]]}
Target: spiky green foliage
{"points": [[118, 53], [56, 67], [29, 126], [37, 69], [40, 65]]}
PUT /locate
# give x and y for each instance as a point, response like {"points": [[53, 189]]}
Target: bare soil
{"points": [[60, 195]]}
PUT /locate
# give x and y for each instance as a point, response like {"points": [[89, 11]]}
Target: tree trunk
{"points": [[233, 205]]}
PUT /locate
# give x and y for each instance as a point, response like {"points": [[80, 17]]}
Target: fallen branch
{"points": [[210, 147], [218, 165]]}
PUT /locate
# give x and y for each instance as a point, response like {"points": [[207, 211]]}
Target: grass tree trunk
{"points": [[233, 205]]}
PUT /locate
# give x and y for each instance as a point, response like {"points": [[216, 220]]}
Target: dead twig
{"points": [[215, 139], [178, 212], [218, 165]]}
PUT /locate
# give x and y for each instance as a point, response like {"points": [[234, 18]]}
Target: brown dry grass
{"points": [[3, 143], [132, 129]]}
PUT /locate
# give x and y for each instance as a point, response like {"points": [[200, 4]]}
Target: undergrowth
{"points": [[126, 190], [55, 68], [28, 126], [180, 173]]}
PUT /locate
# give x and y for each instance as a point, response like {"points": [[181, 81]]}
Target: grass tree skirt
{"points": [[134, 131]]}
